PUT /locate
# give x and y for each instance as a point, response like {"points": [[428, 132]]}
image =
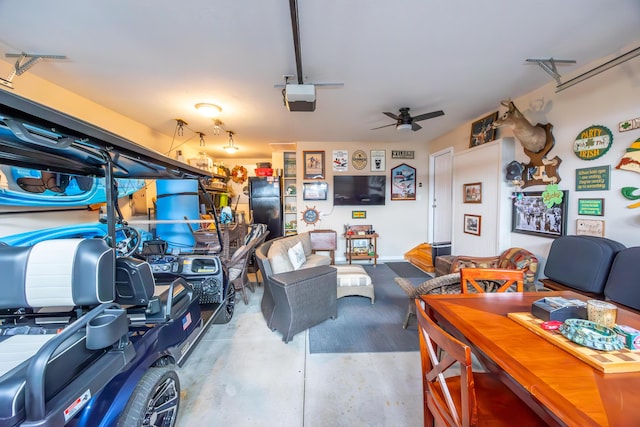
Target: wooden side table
{"points": [[352, 254]]}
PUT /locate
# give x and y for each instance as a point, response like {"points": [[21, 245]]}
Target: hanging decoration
{"points": [[239, 174], [552, 196]]}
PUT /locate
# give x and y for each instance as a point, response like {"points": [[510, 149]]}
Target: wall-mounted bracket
{"points": [[549, 66], [23, 63]]}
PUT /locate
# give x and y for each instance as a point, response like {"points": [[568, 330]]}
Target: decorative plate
{"points": [[291, 190], [590, 334]]}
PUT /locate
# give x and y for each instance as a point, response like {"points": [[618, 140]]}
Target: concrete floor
{"points": [[243, 374]]}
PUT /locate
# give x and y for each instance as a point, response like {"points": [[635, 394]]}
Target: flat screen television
{"points": [[358, 190]]}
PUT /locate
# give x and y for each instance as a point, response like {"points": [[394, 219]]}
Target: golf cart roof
{"points": [[37, 137]]}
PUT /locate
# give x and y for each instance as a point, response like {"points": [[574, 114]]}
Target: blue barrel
{"points": [[175, 200]]}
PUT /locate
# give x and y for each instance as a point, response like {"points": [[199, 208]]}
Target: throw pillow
{"points": [[296, 255]]}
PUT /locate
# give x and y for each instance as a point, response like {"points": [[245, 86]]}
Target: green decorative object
{"points": [[552, 196], [590, 334]]}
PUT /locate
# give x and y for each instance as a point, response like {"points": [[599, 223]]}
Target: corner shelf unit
{"points": [[290, 194]]}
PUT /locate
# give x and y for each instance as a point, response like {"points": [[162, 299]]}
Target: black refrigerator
{"points": [[265, 201]]}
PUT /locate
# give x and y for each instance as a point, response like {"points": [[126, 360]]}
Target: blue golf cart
{"points": [[95, 324]]}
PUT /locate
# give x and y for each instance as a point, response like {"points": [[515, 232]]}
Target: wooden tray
{"points": [[624, 360]]}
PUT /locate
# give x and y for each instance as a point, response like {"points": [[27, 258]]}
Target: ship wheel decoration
{"points": [[310, 215]]}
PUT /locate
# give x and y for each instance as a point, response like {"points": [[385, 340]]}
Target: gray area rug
{"points": [[406, 269], [362, 327]]}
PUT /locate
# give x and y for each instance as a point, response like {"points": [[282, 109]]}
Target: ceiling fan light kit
{"points": [[208, 110], [404, 121]]}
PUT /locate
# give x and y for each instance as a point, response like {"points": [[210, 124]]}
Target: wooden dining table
{"points": [[561, 388]]}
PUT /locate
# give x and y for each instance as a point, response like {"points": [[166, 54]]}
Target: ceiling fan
{"points": [[405, 122]]}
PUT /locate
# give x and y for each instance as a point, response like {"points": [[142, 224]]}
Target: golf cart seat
{"points": [[136, 289], [50, 364]]}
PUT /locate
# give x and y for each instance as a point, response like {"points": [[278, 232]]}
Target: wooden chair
{"points": [[495, 280], [468, 398]]}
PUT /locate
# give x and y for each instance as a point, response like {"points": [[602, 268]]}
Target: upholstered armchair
{"points": [[512, 258]]}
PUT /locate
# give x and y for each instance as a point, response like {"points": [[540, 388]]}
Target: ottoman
{"points": [[354, 280]]}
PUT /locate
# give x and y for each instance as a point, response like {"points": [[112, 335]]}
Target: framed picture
{"points": [[377, 160], [472, 193], [472, 224], [531, 216], [314, 190], [482, 131], [403, 182], [313, 164]]}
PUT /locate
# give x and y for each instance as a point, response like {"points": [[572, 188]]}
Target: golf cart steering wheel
{"points": [[130, 243]]}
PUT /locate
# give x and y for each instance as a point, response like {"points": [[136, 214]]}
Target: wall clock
{"points": [[310, 215], [359, 159]]}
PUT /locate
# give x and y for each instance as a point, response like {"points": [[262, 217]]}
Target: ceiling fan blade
{"points": [[415, 126], [428, 115], [393, 116], [385, 126]]}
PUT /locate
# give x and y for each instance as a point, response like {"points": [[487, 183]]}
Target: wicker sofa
{"points": [[295, 299]]}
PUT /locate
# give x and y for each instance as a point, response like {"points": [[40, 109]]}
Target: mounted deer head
{"points": [[532, 138]]}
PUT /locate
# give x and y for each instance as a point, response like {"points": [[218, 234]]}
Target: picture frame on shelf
{"points": [[482, 130], [472, 193], [403, 182], [529, 215], [314, 190], [472, 224], [313, 164]]}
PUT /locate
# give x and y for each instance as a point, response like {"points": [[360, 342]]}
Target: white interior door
{"points": [[441, 181]]}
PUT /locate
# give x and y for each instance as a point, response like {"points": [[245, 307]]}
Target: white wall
{"points": [[606, 99], [400, 224]]}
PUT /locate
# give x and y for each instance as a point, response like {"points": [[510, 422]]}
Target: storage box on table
{"points": [[559, 308]]}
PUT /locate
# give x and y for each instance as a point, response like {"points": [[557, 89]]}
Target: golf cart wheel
{"points": [[226, 312], [155, 400]]}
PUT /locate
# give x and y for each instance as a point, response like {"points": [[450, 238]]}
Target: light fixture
{"points": [[231, 148], [208, 110], [403, 127]]}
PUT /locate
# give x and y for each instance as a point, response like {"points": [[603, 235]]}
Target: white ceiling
{"points": [[152, 60]]}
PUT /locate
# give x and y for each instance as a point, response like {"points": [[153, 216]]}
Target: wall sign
{"points": [[359, 159], [377, 160], [590, 227], [593, 142], [591, 179], [340, 160], [359, 214], [399, 154], [593, 207], [629, 125]]}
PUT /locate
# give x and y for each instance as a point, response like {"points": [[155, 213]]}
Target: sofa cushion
{"points": [[622, 284], [279, 257], [315, 260], [296, 255], [581, 262]]}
